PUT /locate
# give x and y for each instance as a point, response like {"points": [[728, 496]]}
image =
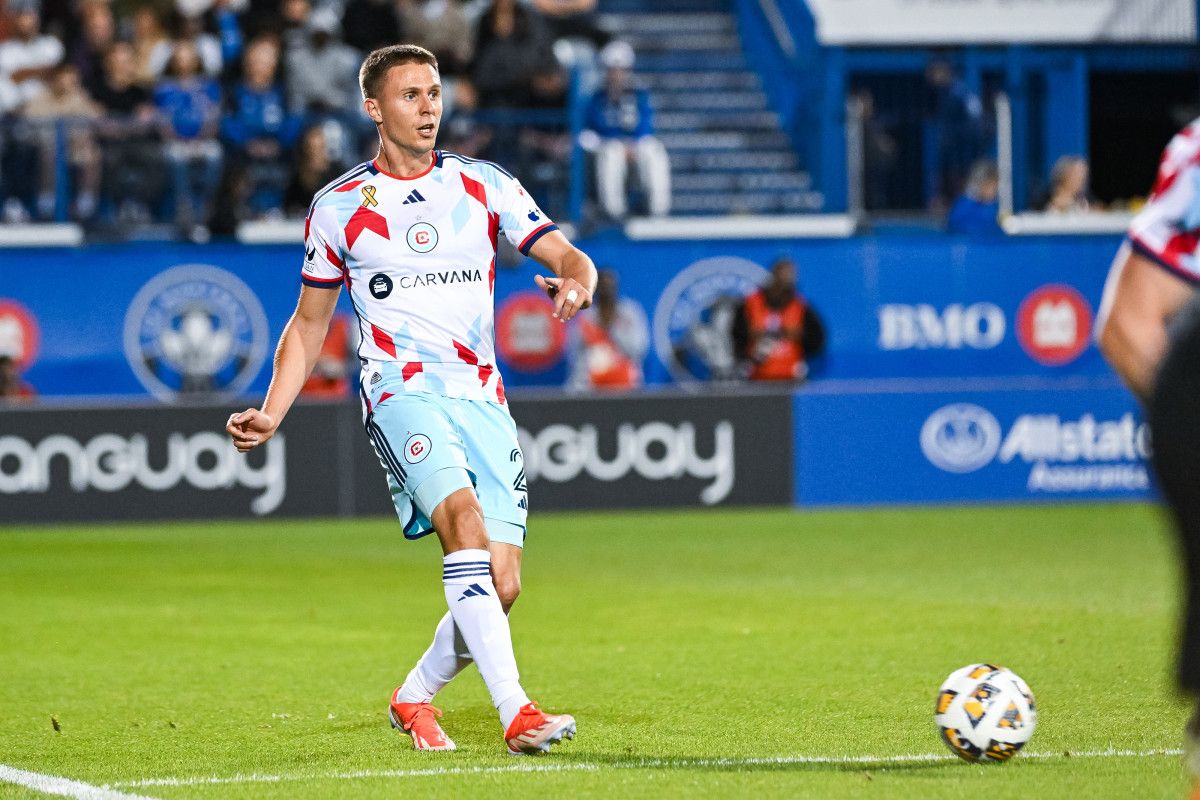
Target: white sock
{"points": [[446, 657], [467, 579]]}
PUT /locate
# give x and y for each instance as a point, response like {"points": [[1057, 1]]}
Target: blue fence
{"points": [[130, 320]]}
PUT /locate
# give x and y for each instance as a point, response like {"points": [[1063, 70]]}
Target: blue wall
{"points": [[920, 306]]}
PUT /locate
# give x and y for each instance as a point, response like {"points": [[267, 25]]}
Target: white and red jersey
{"points": [[418, 256], [1167, 230]]}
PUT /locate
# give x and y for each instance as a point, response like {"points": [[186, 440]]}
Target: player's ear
{"points": [[371, 106]]}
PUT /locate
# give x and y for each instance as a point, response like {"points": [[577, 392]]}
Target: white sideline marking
{"points": [[51, 784], [647, 763]]}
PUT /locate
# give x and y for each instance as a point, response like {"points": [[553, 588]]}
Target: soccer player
{"points": [[412, 234], [1149, 329]]}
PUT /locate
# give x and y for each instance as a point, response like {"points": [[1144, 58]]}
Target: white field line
{"points": [[646, 763], [64, 787]]}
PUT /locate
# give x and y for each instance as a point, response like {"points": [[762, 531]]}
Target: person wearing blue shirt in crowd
{"points": [[190, 104], [259, 130], [620, 129], [977, 211]]}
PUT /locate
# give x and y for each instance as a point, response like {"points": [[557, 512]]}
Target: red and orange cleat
{"points": [[533, 731], [419, 720]]}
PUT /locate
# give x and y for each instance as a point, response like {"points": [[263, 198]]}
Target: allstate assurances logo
{"points": [[195, 330], [961, 437], [694, 317]]}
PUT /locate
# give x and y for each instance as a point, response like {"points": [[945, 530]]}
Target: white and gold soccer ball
{"points": [[985, 713]]}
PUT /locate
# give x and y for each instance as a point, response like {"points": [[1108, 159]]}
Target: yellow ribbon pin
{"points": [[369, 196]]}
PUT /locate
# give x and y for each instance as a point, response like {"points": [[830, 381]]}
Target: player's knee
{"points": [[459, 522], [508, 588]]}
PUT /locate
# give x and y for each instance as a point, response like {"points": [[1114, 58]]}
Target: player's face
{"points": [[409, 106]]}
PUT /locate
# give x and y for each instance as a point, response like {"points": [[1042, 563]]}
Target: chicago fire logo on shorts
{"points": [[19, 335], [416, 448], [195, 330], [1054, 325]]}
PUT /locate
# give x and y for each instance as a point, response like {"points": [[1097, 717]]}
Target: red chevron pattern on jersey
{"points": [[364, 219]]}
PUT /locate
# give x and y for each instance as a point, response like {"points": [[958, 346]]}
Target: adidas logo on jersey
{"points": [[413, 197]]}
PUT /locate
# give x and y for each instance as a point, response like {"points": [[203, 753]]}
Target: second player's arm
{"points": [[1140, 298], [573, 270], [298, 350]]}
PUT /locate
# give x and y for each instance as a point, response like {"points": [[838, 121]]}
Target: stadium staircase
{"points": [[729, 152]]}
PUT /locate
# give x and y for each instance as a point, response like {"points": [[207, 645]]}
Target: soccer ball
{"points": [[985, 713]]}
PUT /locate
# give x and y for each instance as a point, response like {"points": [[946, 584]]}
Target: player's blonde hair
{"points": [[378, 62]]}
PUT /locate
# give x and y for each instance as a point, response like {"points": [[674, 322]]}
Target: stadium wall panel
{"points": [[163, 462], [969, 441], [109, 321]]}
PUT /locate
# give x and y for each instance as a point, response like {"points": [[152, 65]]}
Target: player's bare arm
{"points": [[1140, 299], [575, 274], [298, 350]]}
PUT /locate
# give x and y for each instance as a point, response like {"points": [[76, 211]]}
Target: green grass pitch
{"points": [[717, 654]]}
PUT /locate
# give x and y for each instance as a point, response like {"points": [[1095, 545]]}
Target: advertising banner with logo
{"points": [[180, 322], [163, 462], [908, 22], [1039, 441], [657, 451]]}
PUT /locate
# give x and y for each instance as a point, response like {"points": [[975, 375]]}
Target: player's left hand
{"points": [[568, 294]]}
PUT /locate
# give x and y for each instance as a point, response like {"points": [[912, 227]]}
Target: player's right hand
{"points": [[249, 429]]}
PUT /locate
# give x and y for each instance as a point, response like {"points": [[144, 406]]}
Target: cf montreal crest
{"points": [[693, 321], [197, 331]]}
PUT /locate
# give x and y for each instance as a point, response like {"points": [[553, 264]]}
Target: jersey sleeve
{"points": [[1167, 230], [520, 218], [322, 252]]}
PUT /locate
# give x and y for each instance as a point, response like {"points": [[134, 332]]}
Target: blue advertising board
{"points": [[158, 320], [926, 442]]}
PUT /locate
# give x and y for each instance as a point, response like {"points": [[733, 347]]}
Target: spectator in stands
{"points": [[66, 110], [98, 31], [880, 150], [977, 211], [609, 341], [575, 19], [1068, 187], [777, 330], [546, 141], [190, 29], [512, 44], [322, 80], [151, 47], [371, 24], [442, 27], [293, 30], [620, 129], [259, 131], [461, 132], [129, 137], [190, 103], [13, 388], [27, 58], [312, 168], [955, 118]]}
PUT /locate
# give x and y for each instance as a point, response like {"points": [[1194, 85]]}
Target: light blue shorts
{"points": [[432, 446]]}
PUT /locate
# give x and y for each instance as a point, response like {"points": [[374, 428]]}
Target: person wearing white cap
{"points": [[620, 129]]}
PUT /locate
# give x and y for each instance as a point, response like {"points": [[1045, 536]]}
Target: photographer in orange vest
{"points": [[779, 331]]}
